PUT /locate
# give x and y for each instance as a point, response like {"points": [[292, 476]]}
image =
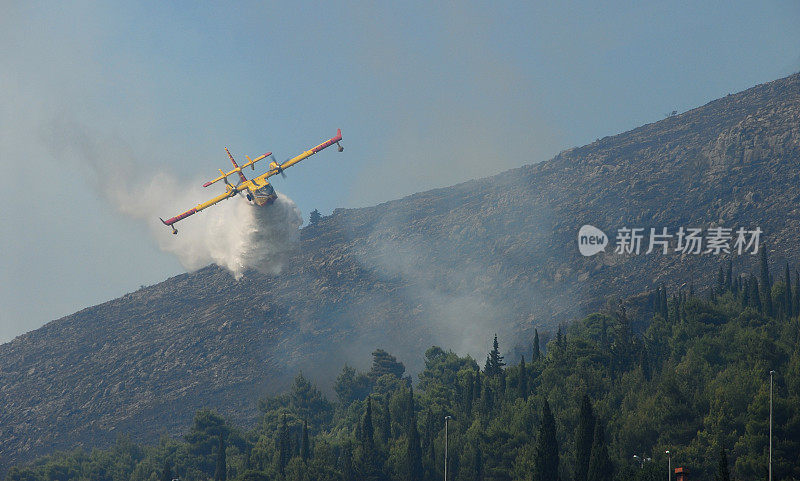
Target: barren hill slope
{"points": [[450, 266]]}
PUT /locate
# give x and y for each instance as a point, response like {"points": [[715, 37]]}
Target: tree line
{"points": [[679, 371]]}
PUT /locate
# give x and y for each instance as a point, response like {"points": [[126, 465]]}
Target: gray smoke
{"points": [[234, 234]]}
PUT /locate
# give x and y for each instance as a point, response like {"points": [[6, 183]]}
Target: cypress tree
{"points": [[410, 408], [536, 349], [729, 276], [787, 294], [766, 284], [386, 427], [432, 459], [600, 467], [546, 463], [348, 473], [584, 436], [722, 467], [745, 294], [370, 464], [796, 301], [655, 300], [468, 393], [367, 430], [478, 462], [604, 334], [220, 473], [413, 449], [522, 385], [305, 448], [283, 446], [428, 430], [487, 400], [755, 298], [644, 363], [494, 361]]}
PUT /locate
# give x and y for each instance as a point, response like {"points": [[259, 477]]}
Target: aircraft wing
{"points": [[227, 195], [277, 169]]}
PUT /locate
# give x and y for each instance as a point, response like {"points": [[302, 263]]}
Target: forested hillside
{"points": [[685, 371], [448, 267]]}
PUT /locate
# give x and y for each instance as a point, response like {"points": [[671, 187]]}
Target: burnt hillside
{"points": [[449, 266]]}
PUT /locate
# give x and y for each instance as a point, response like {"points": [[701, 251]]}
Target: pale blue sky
{"points": [[427, 94]]}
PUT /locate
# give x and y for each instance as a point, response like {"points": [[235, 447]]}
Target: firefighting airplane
{"points": [[257, 190]]}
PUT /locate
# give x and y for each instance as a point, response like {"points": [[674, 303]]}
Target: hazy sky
{"points": [[99, 96]]}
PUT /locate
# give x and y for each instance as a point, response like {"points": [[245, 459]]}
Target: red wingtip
{"points": [[206, 184]]}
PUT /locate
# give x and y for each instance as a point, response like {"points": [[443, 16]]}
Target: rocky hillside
{"points": [[449, 266]]}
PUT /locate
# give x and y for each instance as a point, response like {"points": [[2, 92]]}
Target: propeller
{"points": [[280, 171]]}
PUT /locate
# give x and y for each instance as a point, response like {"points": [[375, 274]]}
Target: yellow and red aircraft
{"points": [[257, 190]]}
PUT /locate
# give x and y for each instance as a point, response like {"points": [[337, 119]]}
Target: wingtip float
{"points": [[257, 190]]}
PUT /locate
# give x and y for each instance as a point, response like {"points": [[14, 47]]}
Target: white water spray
{"points": [[233, 234]]}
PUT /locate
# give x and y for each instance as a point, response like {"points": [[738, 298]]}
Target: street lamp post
{"points": [[446, 419], [770, 424], [669, 465], [641, 459]]}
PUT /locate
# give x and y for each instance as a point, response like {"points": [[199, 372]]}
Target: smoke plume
{"points": [[233, 234]]}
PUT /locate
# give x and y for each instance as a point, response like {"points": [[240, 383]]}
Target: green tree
{"points": [[314, 217], [584, 437], [346, 463], [494, 361], [728, 276], [478, 462], [166, 472], [600, 467], [413, 447], [221, 471], [522, 383], [351, 386], [371, 461], [546, 462], [787, 293], [536, 348], [367, 429], [766, 284], [252, 475], [722, 467], [386, 425], [308, 402], [203, 437], [754, 296], [384, 363], [796, 299], [305, 448], [283, 446]]}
